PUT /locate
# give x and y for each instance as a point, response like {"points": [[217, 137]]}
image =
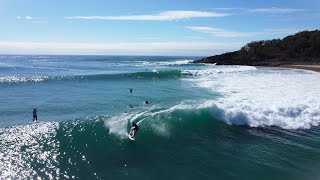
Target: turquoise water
{"points": [[202, 121]]}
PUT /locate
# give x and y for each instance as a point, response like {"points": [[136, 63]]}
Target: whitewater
{"points": [[203, 121]]}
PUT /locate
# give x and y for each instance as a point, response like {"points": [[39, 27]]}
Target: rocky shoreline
{"points": [[301, 50]]}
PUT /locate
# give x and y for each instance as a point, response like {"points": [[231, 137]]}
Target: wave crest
{"points": [[220, 70], [137, 75], [300, 117]]}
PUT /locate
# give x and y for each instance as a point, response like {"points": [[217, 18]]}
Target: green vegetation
{"points": [[301, 48]]}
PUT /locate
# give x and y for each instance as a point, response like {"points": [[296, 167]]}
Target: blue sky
{"points": [[148, 27]]}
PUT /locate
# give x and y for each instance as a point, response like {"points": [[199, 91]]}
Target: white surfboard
{"points": [[131, 135]]}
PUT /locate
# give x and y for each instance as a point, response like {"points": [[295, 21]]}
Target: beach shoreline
{"points": [[315, 68]]}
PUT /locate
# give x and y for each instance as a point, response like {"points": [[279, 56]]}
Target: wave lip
{"points": [[139, 75], [218, 70], [178, 62], [300, 117], [18, 79]]}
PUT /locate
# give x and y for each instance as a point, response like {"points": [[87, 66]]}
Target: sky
{"points": [[148, 27]]}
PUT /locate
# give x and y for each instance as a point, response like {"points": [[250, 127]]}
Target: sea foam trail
{"points": [[162, 63], [163, 121], [285, 98], [219, 70], [119, 124]]}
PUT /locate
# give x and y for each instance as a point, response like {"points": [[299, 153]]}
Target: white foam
{"points": [[265, 97], [117, 125], [219, 70], [155, 71], [162, 63], [178, 62], [15, 79]]}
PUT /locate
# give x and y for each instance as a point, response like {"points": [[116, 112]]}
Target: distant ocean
{"points": [[202, 121]]}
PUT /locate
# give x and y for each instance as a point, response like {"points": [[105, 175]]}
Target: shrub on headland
{"points": [[301, 48]]}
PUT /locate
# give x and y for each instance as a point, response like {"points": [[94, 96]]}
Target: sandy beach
{"points": [[306, 67]]}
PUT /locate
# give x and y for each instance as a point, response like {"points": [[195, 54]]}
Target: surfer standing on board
{"points": [[134, 128], [35, 117]]}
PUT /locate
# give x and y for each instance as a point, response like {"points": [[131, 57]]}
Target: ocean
{"points": [[202, 122]]}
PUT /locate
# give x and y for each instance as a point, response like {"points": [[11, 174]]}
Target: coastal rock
{"points": [[301, 48]]}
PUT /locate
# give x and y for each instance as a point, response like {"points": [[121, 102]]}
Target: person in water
{"points": [[130, 90], [146, 102], [134, 128], [35, 117], [130, 106]]}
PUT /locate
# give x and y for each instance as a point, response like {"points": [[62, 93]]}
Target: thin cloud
{"points": [[229, 9], [194, 37], [149, 38], [268, 10], [218, 32], [154, 48], [163, 16], [35, 20], [25, 17], [275, 10]]}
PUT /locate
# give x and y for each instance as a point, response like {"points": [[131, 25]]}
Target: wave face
{"points": [[136, 75], [286, 99], [76, 149], [239, 95], [201, 121], [161, 74], [98, 147], [25, 69]]}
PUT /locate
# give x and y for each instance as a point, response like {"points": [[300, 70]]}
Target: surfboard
{"points": [[131, 135]]}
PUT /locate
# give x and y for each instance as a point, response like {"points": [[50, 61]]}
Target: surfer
{"points": [[146, 102], [35, 117], [130, 90], [133, 130]]}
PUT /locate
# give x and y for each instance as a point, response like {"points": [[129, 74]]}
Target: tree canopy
{"points": [[301, 48]]}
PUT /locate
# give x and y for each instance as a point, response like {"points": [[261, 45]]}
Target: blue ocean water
{"points": [[202, 121]]}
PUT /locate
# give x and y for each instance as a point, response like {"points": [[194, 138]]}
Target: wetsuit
{"points": [[35, 117], [134, 129]]}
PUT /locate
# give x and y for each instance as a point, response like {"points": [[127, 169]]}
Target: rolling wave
{"points": [[161, 74], [134, 75], [39, 150]]}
